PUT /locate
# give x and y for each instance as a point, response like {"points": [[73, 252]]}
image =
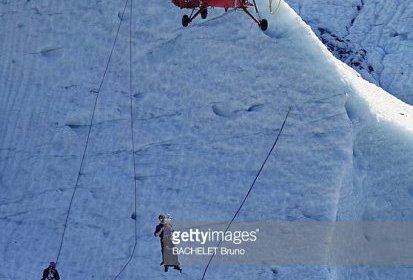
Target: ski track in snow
{"points": [[209, 100]]}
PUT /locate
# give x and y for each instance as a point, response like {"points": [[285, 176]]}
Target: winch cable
{"points": [[88, 136], [250, 189]]}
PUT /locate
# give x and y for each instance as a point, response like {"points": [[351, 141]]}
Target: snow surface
{"points": [[208, 102], [373, 36]]}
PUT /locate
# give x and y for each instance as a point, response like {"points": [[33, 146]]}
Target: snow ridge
{"points": [[373, 37]]}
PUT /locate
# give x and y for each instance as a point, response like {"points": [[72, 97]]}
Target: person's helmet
{"points": [[52, 264], [161, 216]]}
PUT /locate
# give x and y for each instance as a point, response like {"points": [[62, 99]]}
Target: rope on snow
{"points": [[250, 189], [132, 141], [88, 137]]}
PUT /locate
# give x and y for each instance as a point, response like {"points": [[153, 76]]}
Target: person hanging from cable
{"points": [[51, 273], [164, 231]]}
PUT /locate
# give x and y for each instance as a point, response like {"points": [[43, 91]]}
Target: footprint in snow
{"points": [[226, 112], [53, 52], [255, 107], [221, 111]]}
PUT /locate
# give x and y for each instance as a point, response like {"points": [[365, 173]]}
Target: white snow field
{"points": [[373, 36], [208, 102]]}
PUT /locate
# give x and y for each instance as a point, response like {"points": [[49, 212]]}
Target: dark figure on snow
{"points": [[50, 273], [164, 231]]}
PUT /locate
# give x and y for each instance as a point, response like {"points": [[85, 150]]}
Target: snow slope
{"points": [[372, 36], [208, 103]]}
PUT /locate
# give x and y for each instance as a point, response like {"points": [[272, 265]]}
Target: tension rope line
{"points": [[88, 137], [132, 140], [250, 189], [276, 8]]}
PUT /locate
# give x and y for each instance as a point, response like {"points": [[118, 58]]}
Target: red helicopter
{"points": [[201, 7]]}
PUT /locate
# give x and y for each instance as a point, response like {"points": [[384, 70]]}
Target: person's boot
{"points": [[177, 267], [166, 268]]}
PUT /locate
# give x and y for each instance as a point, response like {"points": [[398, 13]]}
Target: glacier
{"points": [[208, 102]]}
